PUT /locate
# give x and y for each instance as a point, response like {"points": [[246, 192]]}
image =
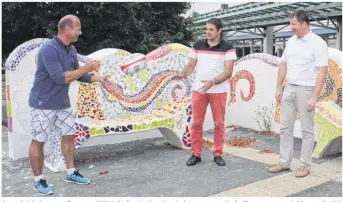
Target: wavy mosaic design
{"points": [[242, 74], [148, 99], [152, 89], [328, 110], [116, 107]]}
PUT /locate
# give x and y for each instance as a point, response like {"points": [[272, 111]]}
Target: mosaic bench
{"points": [[252, 90], [139, 96]]}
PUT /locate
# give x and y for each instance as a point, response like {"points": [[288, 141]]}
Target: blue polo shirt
{"points": [[49, 90]]}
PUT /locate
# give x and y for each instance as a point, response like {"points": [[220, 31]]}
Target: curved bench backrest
{"points": [[252, 90], [20, 70], [138, 93], [89, 100]]}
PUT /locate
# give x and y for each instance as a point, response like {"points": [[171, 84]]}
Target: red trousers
{"points": [[199, 105]]}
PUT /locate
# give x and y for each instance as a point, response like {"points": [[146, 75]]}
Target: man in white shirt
{"points": [[213, 58], [304, 64]]}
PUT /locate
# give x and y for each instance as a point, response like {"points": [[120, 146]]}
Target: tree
{"points": [[195, 32], [132, 26]]}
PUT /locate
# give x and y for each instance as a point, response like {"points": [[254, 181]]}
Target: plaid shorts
{"points": [[51, 122]]}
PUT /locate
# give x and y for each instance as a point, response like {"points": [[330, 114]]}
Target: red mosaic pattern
{"points": [[158, 53], [147, 93], [82, 133], [242, 74], [87, 103], [178, 86], [186, 138]]}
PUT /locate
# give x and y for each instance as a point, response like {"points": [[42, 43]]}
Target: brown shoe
{"points": [[302, 172], [278, 168]]}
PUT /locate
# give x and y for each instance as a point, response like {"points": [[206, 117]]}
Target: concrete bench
{"points": [[140, 96], [252, 90]]}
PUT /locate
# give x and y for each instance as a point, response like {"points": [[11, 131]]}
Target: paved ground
{"points": [[270, 142], [331, 188], [152, 168]]}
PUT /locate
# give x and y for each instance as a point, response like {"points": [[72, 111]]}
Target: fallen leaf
{"points": [[90, 160], [93, 159], [241, 142], [264, 151], [103, 172], [271, 133], [207, 144]]}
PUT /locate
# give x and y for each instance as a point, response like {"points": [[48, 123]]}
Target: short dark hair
{"points": [[301, 16], [216, 22], [64, 23]]}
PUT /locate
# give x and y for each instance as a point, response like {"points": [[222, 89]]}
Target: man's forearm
{"points": [[70, 76], [223, 77], [95, 78], [319, 82], [281, 75], [189, 68]]}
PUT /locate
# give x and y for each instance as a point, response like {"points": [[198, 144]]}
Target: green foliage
{"points": [[132, 26]]}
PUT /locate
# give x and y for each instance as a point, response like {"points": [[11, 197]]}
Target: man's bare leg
{"points": [[36, 155], [68, 153], [68, 150]]}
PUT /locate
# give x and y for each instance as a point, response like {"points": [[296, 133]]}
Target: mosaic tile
{"points": [[331, 92], [134, 98], [148, 99], [242, 74], [327, 132], [266, 58]]}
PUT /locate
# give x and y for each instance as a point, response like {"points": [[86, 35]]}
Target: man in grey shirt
{"points": [[57, 67]]}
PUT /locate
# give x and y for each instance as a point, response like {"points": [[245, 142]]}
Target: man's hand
{"points": [[311, 104], [92, 65], [207, 85], [101, 79], [278, 95], [178, 76], [104, 79]]}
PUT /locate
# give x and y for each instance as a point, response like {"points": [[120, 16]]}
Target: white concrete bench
{"points": [[134, 101], [146, 99], [253, 87]]}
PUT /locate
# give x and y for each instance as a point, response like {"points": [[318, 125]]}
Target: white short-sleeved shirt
{"points": [[304, 57], [210, 63]]}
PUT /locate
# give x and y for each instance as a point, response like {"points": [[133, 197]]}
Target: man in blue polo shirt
{"points": [[57, 67]]}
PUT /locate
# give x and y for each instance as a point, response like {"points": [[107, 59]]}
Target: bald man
{"points": [[57, 67]]}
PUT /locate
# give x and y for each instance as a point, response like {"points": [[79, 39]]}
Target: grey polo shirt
{"points": [[49, 89]]}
